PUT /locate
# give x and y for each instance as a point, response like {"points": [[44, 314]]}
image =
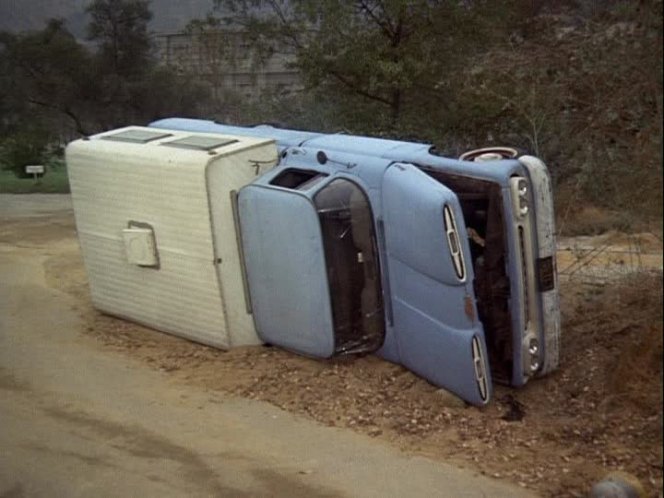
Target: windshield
{"points": [[349, 241]]}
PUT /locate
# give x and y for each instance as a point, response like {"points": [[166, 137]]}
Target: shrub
{"points": [[22, 149]]}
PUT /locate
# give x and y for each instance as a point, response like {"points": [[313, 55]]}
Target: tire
{"points": [[491, 154]]}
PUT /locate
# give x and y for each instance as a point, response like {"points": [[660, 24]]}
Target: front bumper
{"points": [[545, 292]]}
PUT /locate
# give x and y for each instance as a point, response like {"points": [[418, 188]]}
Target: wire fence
{"points": [[603, 259]]}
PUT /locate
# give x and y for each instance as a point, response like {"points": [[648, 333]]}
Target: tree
{"points": [[387, 59], [24, 147], [132, 88], [51, 84], [163, 93], [121, 29], [47, 70], [215, 58]]}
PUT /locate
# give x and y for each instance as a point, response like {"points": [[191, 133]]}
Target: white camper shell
{"points": [[157, 225]]}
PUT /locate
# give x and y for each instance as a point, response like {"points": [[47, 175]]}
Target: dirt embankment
{"points": [[600, 412]]}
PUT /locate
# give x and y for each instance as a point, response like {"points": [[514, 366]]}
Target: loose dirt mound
{"points": [[601, 411], [622, 326]]}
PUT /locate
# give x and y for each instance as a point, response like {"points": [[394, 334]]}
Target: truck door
{"points": [[435, 322], [285, 265], [312, 267]]}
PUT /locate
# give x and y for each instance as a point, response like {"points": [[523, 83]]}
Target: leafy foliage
{"points": [[48, 70], [29, 146], [52, 81], [577, 82], [121, 29], [585, 93], [382, 62]]}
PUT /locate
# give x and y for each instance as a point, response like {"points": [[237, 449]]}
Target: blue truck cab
{"points": [[446, 266]]}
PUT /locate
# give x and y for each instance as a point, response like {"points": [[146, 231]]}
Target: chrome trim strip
{"points": [[387, 291], [528, 288], [480, 371], [454, 243]]}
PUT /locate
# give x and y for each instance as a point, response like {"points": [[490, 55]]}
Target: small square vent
{"points": [[140, 246]]}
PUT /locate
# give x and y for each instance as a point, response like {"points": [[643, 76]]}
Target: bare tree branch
{"points": [[358, 89], [66, 111]]}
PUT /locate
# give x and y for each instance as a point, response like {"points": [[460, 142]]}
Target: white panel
{"points": [[181, 297], [118, 186], [224, 175]]}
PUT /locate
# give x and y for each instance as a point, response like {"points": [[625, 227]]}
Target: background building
{"points": [[226, 60]]}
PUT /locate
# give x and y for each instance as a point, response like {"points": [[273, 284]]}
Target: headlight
{"points": [[519, 187], [522, 185], [533, 352]]}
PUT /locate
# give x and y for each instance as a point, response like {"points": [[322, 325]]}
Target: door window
{"points": [[349, 242]]}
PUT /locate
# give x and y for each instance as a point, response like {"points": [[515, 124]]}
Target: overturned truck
{"points": [[354, 245]]}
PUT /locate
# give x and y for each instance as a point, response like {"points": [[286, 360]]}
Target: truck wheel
{"points": [[490, 154]]}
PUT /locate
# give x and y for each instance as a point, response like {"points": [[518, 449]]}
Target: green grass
{"points": [[54, 181]]}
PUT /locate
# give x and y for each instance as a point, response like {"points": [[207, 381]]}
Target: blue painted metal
{"points": [[366, 161], [286, 270], [433, 333], [426, 330], [395, 150]]}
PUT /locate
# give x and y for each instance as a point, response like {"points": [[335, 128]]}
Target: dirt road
{"points": [[80, 418]]}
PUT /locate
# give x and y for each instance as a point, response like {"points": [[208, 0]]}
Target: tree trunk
{"points": [[395, 106]]}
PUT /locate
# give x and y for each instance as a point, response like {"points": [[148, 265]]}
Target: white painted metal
{"points": [[546, 241], [225, 175], [182, 196], [525, 256]]}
